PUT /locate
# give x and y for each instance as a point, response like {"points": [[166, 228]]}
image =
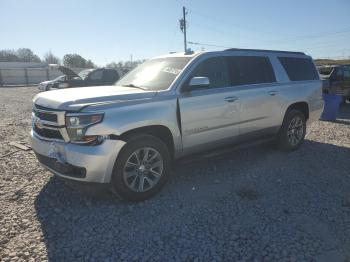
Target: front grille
{"points": [[45, 108], [51, 129], [62, 168], [48, 133], [46, 116]]}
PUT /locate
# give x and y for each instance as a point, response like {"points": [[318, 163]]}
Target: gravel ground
{"points": [[256, 204]]}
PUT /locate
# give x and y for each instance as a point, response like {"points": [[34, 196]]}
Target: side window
{"points": [[347, 74], [247, 70], [110, 76], [299, 69], [216, 70], [339, 75], [97, 75]]}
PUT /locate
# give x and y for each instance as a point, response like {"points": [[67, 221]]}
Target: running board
{"points": [[224, 150]]}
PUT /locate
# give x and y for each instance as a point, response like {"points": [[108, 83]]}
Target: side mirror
{"points": [[198, 82]]}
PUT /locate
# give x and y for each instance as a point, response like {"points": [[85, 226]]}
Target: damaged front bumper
{"points": [[78, 162]]}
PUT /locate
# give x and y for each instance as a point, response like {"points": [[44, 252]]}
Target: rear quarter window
{"points": [[110, 76], [299, 69]]}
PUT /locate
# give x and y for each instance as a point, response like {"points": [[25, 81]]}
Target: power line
{"points": [[277, 40], [300, 37], [303, 37], [231, 24], [307, 37], [203, 44]]}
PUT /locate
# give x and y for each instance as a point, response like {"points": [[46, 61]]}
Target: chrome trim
{"points": [[43, 111], [45, 122], [49, 124], [59, 125], [64, 134], [61, 118], [50, 127], [86, 113]]}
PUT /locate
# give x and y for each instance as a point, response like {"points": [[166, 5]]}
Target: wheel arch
{"points": [[301, 106], [160, 131]]}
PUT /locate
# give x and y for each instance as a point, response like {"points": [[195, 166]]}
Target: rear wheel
{"points": [[292, 132], [142, 168]]}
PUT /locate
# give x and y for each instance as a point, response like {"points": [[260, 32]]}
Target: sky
{"points": [[107, 30]]}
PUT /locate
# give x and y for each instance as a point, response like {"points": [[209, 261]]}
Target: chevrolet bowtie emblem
{"points": [[38, 123]]}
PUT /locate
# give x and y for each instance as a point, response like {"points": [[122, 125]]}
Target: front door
{"points": [[209, 116]]}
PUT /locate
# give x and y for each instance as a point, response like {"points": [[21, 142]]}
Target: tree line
{"points": [[27, 55], [69, 60]]}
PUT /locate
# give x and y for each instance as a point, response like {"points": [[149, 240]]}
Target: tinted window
{"points": [[246, 70], [299, 69], [97, 75], [216, 70], [110, 76], [347, 74]]}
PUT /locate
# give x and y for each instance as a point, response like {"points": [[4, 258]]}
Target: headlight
{"points": [[77, 124], [63, 85]]}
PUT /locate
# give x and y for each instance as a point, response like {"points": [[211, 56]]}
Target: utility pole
{"points": [[183, 26]]}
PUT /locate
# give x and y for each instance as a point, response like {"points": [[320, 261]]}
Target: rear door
{"points": [[209, 116], [258, 93]]}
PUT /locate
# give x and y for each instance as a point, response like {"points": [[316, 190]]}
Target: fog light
{"points": [[79, 132]]}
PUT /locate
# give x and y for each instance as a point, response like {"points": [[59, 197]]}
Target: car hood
{"points": [[47, 82], [76, 98], [68, 72]]}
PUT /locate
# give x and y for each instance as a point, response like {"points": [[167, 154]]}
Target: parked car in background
{"points": [[125, 136], [88, 77], [336, 79]]}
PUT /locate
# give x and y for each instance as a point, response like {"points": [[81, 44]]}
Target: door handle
{"points": [[273, 93], [231, 99]]}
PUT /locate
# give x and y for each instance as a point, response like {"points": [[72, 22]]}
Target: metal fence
{"points": [[29, 76], [33, 76]]}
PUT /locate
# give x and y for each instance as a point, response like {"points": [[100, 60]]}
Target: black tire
{"points": [[134, 143], [286, 140]]}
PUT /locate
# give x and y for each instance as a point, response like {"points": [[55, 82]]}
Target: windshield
{"points": [[155, 74], [83, 74], [325, 70]]}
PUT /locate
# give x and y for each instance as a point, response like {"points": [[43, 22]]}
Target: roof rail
{"points": [[262, 50]]}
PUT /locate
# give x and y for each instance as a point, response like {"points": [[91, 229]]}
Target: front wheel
{"points": [[141, 169], [292, 132]]}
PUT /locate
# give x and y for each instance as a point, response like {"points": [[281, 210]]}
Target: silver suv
{"points": [[126, 136]]}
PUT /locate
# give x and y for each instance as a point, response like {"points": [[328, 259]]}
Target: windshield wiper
{"points": [[133, 86]]}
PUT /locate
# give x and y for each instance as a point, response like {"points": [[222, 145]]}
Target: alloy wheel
{"points": [[295, 131], [143, 169]]}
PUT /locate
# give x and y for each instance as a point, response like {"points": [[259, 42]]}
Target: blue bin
{"points": [[331, 107]]}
